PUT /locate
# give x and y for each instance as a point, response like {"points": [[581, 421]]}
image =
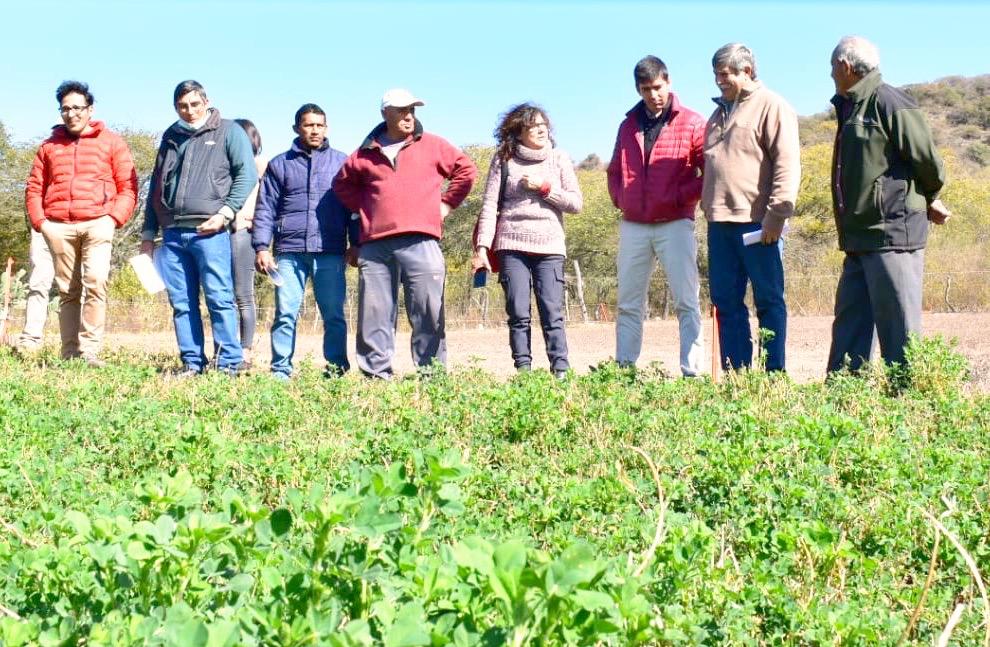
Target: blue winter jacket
{"points": [[296, 206]]}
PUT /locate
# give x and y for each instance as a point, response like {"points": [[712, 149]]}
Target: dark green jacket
{"points": [[885, 169]]}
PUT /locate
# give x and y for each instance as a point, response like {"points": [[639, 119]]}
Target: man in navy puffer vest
{"points": [[311, 229], [203, 174]]}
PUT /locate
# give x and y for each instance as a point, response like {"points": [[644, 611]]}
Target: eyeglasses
{"points": [[68, 110]]}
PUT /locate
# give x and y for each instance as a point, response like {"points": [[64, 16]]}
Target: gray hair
{"points": [[861, 55], [735, 56]]}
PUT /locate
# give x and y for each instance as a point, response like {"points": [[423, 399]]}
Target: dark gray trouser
{"points": [[416, 261], [243, 266], [877, 291], [544, 275]]}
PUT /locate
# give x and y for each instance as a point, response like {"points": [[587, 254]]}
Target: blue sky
{"points": [[468, 60]]}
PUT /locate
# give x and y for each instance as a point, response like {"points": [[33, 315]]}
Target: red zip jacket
{"points": [[670, 188], [403, 199], [81, 178]]}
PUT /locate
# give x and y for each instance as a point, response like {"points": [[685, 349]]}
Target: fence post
{"points": [[580, 291], [5, 311], [945, 295]]}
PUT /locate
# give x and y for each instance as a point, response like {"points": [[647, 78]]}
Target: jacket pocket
{"points": [[892, 199]]}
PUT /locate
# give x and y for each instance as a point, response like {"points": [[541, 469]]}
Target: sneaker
{"points": [[27, 347], [560, 374], [231, 371], [280, 376], [524, 368], [185, 373], [386, 376], [93, 361]]}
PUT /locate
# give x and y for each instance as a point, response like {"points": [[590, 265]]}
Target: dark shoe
{"points": [[332, 371]]}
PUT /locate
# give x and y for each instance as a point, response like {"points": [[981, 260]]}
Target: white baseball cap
{"points": [[400, 98]]}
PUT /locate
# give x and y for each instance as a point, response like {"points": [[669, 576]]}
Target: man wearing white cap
{"points": [[395, 183]]}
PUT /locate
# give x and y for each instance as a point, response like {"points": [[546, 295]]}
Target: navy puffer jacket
{"points": [[296, 207]]}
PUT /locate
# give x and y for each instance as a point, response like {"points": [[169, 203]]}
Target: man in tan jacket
{"points": [[752, 172]]}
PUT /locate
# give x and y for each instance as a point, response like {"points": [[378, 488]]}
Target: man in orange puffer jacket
{"points": [[82, 186]]}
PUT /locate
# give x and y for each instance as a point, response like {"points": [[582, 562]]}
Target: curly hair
{"points": [[77, 87], [510, 128]]}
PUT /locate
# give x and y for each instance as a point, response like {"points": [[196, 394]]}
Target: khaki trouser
{"points": [[81, 252], [39, 287]]}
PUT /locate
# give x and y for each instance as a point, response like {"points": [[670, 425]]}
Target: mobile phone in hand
{"points": [[480, 279]]}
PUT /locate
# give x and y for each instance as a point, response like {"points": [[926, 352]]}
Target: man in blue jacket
{"points": [[203, 174], [311, 230]]}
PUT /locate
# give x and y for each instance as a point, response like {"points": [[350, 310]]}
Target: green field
{"points": [[458, 509]]}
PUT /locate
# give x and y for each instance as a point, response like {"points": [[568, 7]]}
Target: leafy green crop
{"points": [[457, 509]]}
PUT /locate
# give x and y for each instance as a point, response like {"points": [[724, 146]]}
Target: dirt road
{"points": [[807, 345]]}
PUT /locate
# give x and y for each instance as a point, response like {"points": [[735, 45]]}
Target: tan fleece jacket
{"points": [[752, 159]]}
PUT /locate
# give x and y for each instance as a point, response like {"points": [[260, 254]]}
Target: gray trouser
{"points": [[543, 275], [640, 245], [877, 291], [416, 261], [39, 289], [243, 265]]}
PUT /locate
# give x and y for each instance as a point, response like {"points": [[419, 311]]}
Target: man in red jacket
{"points": [[394, 182], [82, 186], [655, 179]]}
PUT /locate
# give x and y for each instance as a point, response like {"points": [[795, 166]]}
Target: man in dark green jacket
{"points": [[886, 176]]}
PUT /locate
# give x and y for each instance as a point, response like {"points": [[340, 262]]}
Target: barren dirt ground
{"points": [[807, 345]]}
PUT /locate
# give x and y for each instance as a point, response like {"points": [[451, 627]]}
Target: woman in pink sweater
{"points": [[522, 221]]}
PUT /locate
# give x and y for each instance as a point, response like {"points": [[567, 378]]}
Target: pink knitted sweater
{"points": [[529, 221]]}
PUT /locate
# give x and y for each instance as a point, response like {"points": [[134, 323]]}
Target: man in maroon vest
{"points": [[655, 179]]}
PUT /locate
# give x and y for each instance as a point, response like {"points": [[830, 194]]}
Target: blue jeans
{"points": [[189, 260], [329, 286], [730, 265]]}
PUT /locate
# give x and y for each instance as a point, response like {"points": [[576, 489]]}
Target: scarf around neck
{"points": [[533, 154]]}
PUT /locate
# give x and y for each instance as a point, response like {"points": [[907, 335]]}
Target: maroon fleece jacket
{"points": [[403, 199]]}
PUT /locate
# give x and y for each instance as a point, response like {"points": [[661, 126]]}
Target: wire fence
{"points": [[586, 300], [467, 307]]}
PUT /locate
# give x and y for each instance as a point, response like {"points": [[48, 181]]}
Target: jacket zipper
{"points": [[309, 197], [75, 172]]}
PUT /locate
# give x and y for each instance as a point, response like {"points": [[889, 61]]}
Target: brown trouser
{"points": [[39, 288], [81, 252]]}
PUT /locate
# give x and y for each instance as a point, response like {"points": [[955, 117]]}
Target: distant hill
{"points": [[958, 109]]}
